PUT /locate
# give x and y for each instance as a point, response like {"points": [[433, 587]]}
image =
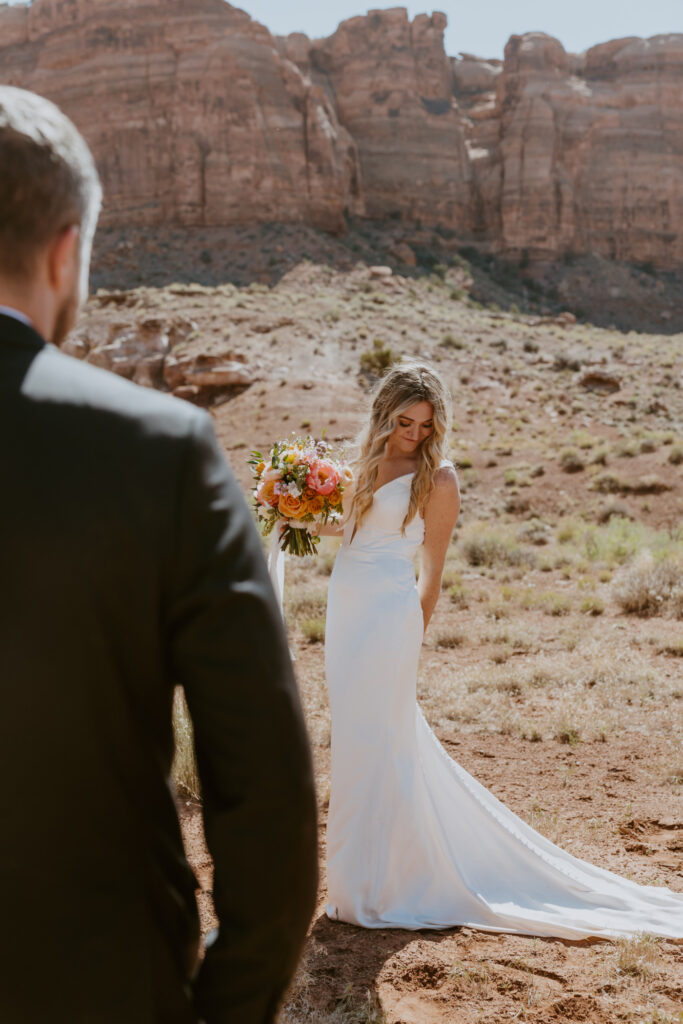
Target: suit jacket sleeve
{"points": [[230, 653]]}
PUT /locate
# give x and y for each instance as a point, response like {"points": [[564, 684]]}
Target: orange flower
{"points": [[291, 507], [315, 504], [335, 497], [265, 493], [261, 466]]}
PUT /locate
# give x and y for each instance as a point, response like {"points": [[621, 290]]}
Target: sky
{"points": [[483, 27]]}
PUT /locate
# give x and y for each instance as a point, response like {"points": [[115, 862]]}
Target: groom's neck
{"points": [[26, 296]]}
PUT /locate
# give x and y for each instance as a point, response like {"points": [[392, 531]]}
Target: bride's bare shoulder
{"points": [[446, 477]]}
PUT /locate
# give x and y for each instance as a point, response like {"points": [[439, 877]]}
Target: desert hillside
{"points": [[552, 668]]}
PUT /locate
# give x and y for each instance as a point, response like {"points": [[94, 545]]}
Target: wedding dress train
{"points": [[413, 840]]}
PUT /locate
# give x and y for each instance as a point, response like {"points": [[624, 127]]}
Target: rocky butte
{"points": [[197, 115]]}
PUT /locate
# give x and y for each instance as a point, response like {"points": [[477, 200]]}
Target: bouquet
{"points": [[298, 486]]}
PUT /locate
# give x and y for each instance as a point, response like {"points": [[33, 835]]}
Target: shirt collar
{"points": [[16, 314]]}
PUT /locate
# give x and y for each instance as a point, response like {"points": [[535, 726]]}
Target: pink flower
{"points": [[322, 477]]}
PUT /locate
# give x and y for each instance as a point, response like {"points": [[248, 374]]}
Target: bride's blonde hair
{"points": [[404, 385]]}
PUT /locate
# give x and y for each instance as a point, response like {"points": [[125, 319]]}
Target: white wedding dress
{"points": [[413, 841]]}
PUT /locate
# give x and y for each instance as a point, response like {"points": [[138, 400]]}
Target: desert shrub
{"points": [[309, 605], [649, 587], [675, 456], [650, 484], [567, 732], [450, 577], [548, 601], [627, 449], [592, 605], [571, 460], [615, 542], [566, 361], [449, 341], [610, 483], [377, 360], [313, 629], [184, 769], [488, 548], [583, 439], [534, 532], [449, 638], [458, 595], [599, 456], [674, 649], [612, 509]]}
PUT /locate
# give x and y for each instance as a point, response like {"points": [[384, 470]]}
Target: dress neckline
{"points": [[401, 477], [444, 462]]}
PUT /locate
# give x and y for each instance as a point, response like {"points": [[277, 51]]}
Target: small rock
{"points": [[600, 380], [75, 347], [189, 392], [381, 271]]}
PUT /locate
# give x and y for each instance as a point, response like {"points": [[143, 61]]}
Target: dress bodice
{"points": [[380, 533]]}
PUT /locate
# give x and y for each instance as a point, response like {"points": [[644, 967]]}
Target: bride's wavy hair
{"points": [[405, 384]]}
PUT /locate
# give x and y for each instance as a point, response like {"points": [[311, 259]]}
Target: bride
{"points": [[413, 840]]}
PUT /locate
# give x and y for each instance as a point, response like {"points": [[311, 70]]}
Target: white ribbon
{"points": [[276, 565], [276, 568]]}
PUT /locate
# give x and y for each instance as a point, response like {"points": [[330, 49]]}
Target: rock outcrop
{"points": [[161, 352], [198, 116]]}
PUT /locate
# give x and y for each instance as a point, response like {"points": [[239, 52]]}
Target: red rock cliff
{"points": [[191, 113], [197, 115]]}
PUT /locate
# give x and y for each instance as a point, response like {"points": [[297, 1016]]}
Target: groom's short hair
{"points": [[48, 179]]}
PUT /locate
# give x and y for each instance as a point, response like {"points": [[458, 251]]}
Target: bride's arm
{"points": [[440, 517]]}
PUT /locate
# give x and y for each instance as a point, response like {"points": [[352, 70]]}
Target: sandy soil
{"points": [[618, 816]]}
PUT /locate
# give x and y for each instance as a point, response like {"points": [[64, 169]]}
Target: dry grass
{"points": [[639, 956], [184, 770], [350, 1009]]}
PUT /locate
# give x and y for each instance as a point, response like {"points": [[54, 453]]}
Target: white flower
{"points": [[271, 474]]}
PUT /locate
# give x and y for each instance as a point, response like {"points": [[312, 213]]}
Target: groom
{"points": [[128, 563]]}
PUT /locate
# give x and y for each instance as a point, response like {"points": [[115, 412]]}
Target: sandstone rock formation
{"points": [[198, 116], [574, 154], [192, 115]]}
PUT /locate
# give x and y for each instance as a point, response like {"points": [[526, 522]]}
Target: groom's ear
{"points": [[63, 259]]}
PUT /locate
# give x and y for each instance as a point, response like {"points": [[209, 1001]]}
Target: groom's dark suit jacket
{"points": [[129, 563]]}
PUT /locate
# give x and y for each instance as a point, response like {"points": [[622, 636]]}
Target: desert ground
{"points": [[553, 667]]}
